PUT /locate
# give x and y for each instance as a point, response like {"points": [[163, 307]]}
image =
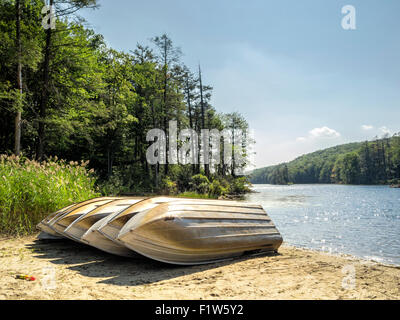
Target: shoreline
{"points": [[327, 184], [82, 272], [342, 255]]}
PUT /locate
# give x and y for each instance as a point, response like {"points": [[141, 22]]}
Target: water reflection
{"points": [[358, 220]]}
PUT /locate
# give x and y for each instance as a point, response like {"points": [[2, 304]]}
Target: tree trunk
{"points": [[233, 153], [385, 175], [165, 105], [190, 119], [205, 147], [110, 159], [45, 93], [157, 165], [17, 142]]}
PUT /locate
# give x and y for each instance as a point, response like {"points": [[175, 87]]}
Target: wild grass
{"points": [[30, 190], [195, 195]]}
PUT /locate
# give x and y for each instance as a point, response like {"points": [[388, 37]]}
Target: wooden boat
{"points": [[200, 231]]}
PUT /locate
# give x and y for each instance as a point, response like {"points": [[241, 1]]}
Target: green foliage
{"points": [[114, 185], [347, 168], [30, 190], [238, 186], [183, 177], [195, 195], [238, 127], [216, 189], [83, 100], [168, 186], [199, 183], [374, 162]]}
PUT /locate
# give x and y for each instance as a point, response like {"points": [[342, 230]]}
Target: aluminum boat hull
{"points": [[200, 231], [172, 230]]}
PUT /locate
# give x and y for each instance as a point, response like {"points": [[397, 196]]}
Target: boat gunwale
{"points": [[80, 205], [97, 210], [62, 227]]}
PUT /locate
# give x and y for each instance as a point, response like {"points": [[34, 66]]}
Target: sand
{"points": [[68, 270]]}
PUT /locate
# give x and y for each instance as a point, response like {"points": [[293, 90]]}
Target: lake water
{"points": [[363, 221]]}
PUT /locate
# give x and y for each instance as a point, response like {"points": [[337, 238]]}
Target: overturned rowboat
{"points": [[82, 224], [62, 221], [171, 230], [104, 234], [200, 231], [46, 231], [53, 225]]}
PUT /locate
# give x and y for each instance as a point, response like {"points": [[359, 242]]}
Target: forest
{"points": [[369, 162], [65, 94]]}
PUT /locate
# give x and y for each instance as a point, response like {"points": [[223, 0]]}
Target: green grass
{"points": [[195, 195], [30, 190]]}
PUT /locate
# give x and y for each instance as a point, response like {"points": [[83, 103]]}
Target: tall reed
{"points": [[30, 190]]}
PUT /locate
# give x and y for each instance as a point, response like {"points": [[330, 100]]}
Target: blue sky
{"points": [[301, 80]]}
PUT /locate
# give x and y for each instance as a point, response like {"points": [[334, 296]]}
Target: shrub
{"points": [[114, 185], [217, 189], [195, 195], [30, 190], [168, 186], [199, 183], [184, 177], [239, 185]]}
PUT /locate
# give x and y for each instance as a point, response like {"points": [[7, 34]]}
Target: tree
{"points": [[19, 56], [72, 6], [205, 115], [366, 165], [374, 162], [350, 168], [168, 56], [191, 96], [240, 142], [82, 100], [18, 45]]}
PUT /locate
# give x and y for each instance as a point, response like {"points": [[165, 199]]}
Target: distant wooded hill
{"points": [[369, 162]]}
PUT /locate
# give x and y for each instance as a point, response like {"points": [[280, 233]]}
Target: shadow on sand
{"points": [[90, 262]]}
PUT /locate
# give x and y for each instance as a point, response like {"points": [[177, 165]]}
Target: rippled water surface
{"points": [[360, 220]]}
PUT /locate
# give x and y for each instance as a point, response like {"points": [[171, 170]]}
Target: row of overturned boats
{"points": [[172, 230]]}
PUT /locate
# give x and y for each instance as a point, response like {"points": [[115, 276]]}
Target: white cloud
{"points": [[318, 134], [324, 132], [385, 131], [367, 127]]}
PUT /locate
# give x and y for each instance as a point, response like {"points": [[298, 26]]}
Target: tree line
{"points": [[369, 162], [65, 93]]}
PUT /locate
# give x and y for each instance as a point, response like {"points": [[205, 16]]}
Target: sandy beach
{"points": [[68, 270]]}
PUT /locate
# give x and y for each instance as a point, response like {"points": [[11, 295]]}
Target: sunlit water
{"points": [[363, 221]]}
